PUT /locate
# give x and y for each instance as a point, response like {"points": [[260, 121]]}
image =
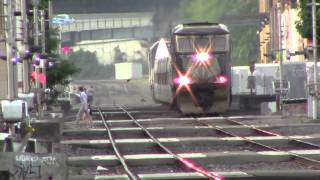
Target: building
{"points": [[279, 16]]}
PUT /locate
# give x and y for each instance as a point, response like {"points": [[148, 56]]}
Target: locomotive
{"points": [[192, 70]]}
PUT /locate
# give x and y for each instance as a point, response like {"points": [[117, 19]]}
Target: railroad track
{"points": [[128, 144]]}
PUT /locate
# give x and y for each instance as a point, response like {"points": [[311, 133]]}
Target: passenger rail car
{"points": [[192, 70]]}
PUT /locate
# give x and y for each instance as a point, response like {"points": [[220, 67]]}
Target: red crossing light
{"points": [[66, 49], [42, 77]]}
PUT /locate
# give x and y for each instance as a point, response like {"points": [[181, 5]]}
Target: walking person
{"points": [[90, 93], [83, 113]]}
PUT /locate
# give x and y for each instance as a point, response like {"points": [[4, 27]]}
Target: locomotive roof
{"points": [[157, 43], [201, 28]]}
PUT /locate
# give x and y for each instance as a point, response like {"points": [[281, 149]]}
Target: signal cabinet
{"points": [[128, 70]]}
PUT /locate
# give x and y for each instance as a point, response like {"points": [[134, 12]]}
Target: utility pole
{"points": [[50, 12], [15, 48], [280, 52], [25, 63], [43, 42], [315, 74], [36, 43], [9, 47]]}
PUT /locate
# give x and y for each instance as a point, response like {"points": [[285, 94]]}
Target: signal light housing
{"points": [[15, 60], [36, 59]]}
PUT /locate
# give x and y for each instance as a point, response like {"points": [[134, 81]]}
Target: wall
{"points": [[104, 49], [34, 166]]}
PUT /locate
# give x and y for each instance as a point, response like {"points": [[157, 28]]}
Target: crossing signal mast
{"points": [[10, 43], [315, 72]]}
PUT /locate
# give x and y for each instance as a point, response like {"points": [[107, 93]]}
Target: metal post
{"points": [[50, 12], [37, 68], [25, 64], [43, 42], [60, 39], [314, 36], [280, 52], [14, 48], [10, 39], [9, 45]]}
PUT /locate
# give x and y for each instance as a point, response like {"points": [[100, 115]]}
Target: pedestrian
{"points": [[83, 111], [90, 93]]}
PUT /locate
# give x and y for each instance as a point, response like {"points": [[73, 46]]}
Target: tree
{"points": [[60, 73], [62, 69], [119, 56], [304, 25], [244, 38], [89, 66]]}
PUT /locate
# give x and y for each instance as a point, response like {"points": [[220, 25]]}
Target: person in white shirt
{"points": [[83, 111]]}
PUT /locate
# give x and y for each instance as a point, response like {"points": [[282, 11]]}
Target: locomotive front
{"points": [[202, 68]]}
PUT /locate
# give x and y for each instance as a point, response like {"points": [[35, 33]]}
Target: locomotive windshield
{"points": [[189, 44]]}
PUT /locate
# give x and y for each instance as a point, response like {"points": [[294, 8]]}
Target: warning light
{"points": [[36, 59], [41, 77], [14, 60], [66, 49]]}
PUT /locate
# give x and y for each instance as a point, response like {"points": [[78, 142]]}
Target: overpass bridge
{"points": [[102, 26], [116, 19]]}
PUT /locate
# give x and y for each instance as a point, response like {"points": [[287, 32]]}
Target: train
{"points": [[191, 69]]}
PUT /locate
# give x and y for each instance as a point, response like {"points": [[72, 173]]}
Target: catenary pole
{"points": [[315, 74], [280, 52], [25, 63], [9, 47], [36, 43], [43, 42]]}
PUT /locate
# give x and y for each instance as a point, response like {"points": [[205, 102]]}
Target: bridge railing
{"points": [[107, 23]]}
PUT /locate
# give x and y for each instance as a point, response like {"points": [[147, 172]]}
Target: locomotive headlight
{"points": [[183, 81], [221, 79], [202, 57]]}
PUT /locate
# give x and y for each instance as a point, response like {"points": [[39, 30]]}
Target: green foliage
{"points": [[304, 25], [89, 66], [118, 55], [244, 38], [43, 4], [60, 72], [52, 41]]}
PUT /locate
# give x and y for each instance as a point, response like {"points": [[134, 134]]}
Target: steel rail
{"points": [[131, 175], [182, 160], [274, 134], [294, 155], [302, 158]]}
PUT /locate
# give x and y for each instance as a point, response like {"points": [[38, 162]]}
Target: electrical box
{"points": [[29, 98], [14, 111], [128, 70], [265, 74], [251, 82], [240, 80]]}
